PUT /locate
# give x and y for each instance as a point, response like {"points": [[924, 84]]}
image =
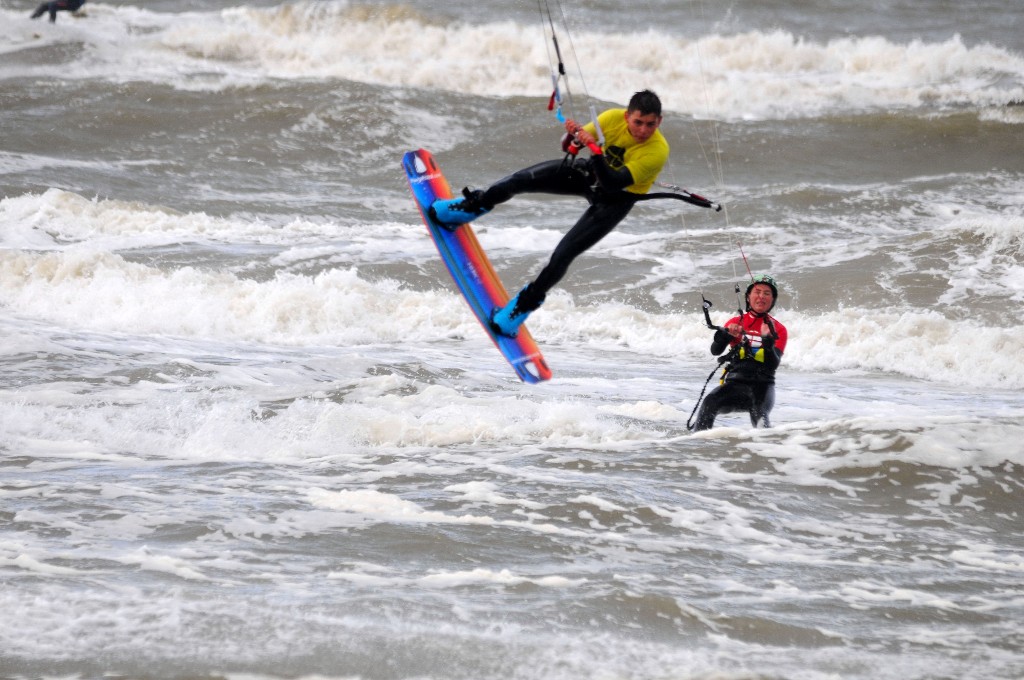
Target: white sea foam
{"points": [[341, 306], [58, 219], [990, 260], [752, 75]]}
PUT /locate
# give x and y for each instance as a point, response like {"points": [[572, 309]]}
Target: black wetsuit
{"points": [[749, 380], [611, 181], [57, 6], [586, 177]]}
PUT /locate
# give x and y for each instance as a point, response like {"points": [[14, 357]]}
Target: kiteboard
{"points": [[471, 270]]}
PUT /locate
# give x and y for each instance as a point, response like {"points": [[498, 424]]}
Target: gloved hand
{"points": [[570, 145]]}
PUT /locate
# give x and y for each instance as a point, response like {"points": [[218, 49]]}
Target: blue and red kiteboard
{"points": [[469, 266]]}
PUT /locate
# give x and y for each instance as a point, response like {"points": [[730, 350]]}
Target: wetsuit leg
{"points": [[727, 398], [549, 177], [41, 10], [761, 405], [567, 178], [596, 222], [718, 400], [708, 411]]}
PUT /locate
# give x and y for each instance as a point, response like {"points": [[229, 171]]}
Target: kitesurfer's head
{"points": [[762, 294], [645, 101], [643, 115]]}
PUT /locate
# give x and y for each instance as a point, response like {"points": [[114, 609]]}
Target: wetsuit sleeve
{"points": [[720, 341], [609, 179], [722, 337], [773, 344], [771, 355]]}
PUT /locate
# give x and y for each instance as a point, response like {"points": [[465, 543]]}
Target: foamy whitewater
{"points": [[248, 429]]}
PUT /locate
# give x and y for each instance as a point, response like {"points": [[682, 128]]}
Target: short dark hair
{"points": [[645, 101]]}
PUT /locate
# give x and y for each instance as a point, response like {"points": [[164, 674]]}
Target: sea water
{"points": [[248, 428]]}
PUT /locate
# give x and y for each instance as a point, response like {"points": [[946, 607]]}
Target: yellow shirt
{"points": [[644, 160]]}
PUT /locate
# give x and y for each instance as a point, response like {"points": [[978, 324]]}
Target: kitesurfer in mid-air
{"points": [[633, 154], [57, 6], [756, 341]]}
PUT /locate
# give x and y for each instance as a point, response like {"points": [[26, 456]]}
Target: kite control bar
{"points": [[574, 145], [688, 196], [593, 146]]}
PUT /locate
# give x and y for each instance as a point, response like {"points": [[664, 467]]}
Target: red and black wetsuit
{"points": [[748, 383]]}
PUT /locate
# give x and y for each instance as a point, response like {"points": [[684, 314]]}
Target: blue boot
{"points": [[452, 212], [507, 320]]}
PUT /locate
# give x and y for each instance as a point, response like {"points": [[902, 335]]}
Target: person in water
{"points": [[633, 154], [756, 341], [57, 6]]}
